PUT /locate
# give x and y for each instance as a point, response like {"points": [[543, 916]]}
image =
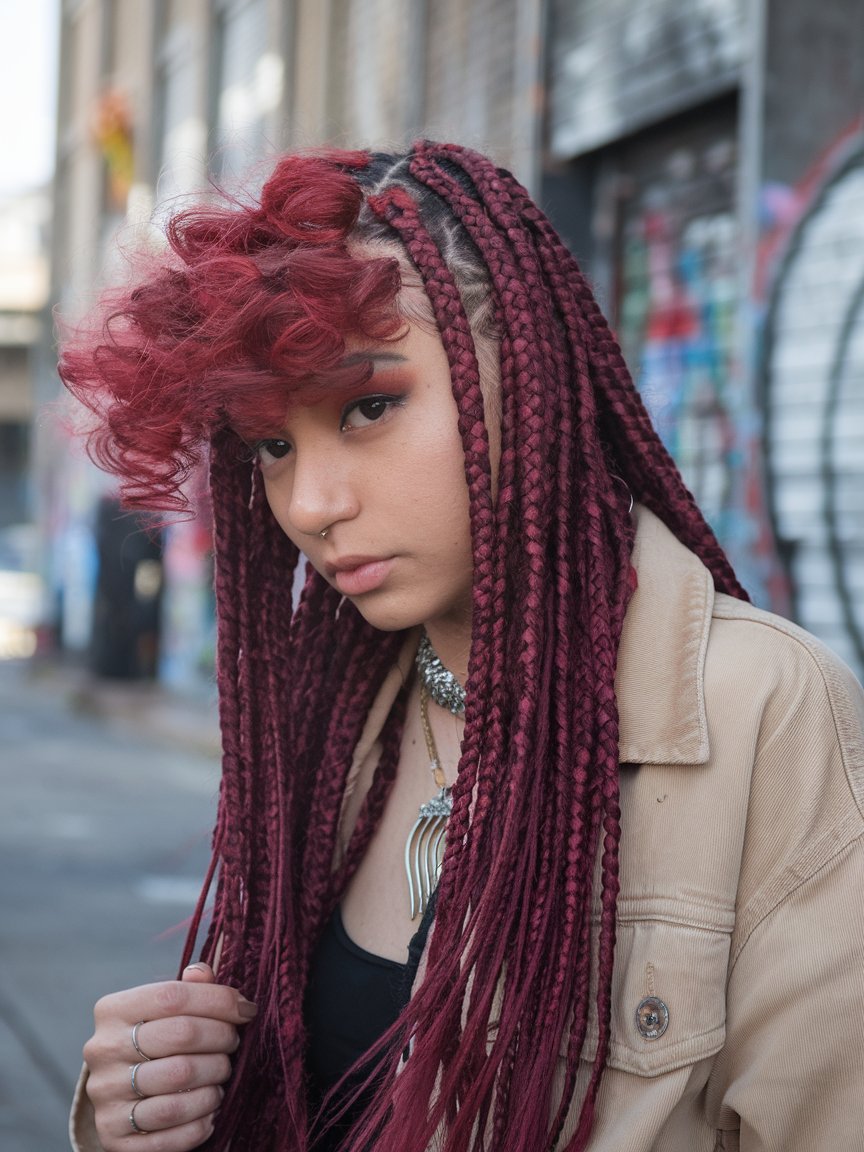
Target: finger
{"points": [[110, 1048], [184, 1138], [174, 998], [171, 1074], [199, 973], [190, 1035], [159, 1114]]}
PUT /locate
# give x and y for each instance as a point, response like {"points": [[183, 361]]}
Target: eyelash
{"points": [[379, 398], [388, 401]]}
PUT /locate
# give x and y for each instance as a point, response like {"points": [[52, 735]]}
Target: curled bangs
{"points": [[252, 311]]}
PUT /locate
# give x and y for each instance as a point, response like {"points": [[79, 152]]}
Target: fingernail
{"points": [[197, 967], [246, 1008]]}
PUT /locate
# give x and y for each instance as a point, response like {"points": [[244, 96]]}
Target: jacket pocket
{"points": [[668, 987]]}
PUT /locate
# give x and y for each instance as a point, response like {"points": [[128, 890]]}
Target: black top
{"points": [[353, 998]]}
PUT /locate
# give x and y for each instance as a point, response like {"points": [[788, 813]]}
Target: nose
{"points": [[322, 492]]}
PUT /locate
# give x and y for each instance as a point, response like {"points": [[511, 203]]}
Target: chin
{"points": [[388, 620], [389, 611], [389, 614]]}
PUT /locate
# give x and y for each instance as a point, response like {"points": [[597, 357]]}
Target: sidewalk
{"points": [[105, 836], [187, 720]]}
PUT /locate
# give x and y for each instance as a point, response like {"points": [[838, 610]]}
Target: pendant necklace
{"points": [[424, 848]]}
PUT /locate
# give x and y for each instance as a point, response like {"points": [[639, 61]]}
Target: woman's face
{"points": [[382, 472]]}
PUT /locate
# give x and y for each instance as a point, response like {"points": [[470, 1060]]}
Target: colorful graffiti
{"points": [[686, 314], [678, 308]]}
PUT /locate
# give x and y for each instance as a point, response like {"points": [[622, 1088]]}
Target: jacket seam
{"points": [[846, 846], [707, 917], [791, 632], [658, 1062], [674, 922]]}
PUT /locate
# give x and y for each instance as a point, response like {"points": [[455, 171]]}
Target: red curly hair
{"points": [[253, 305]]}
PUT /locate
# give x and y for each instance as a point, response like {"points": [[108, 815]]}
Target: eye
{"points": [[368, 410], [270, 450]]}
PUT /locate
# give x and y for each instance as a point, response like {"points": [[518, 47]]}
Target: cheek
{"points": [[278, 501], [443, 494]]}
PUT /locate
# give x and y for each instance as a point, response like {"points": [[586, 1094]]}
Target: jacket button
{"points": [[652, 1017]]}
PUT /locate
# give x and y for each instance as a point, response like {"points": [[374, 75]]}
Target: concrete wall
{"points": [[814, 82], [813, 381], [809, 297], [381, 72]]}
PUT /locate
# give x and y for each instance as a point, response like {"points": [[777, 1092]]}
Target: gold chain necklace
{"points": [[424, 848]]}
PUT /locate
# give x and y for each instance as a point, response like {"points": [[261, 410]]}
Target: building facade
{"points": [[24, 220], [159, 98], [704, 160], [24, 322]]}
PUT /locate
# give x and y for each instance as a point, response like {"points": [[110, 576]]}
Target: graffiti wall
{"points": [[677, 312], [683, 128], [676, 302], [812, 378]]}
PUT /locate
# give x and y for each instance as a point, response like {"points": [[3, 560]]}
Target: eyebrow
{"points": [[374, 357]]}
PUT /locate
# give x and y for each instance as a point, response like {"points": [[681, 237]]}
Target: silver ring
{"points": [[135, 1043], [134, 1073], [132, 1121]]}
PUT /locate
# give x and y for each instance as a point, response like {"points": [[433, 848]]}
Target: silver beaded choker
{"points": [[439, 682]]}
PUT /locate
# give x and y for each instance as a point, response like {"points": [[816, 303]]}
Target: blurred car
{"points": [[22, 592]]}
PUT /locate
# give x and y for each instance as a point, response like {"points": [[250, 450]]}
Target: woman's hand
{"points": [[163, 1097]]}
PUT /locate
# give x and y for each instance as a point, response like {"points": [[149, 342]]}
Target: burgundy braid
{"points": [[527, 273], [651, 473], [255, 309], [500, 207]]}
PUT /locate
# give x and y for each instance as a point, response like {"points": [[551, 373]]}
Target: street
{"points": [[104, 838]]}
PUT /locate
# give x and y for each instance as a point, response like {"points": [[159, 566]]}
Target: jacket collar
{"points": [[660, 681], [661, 659]]}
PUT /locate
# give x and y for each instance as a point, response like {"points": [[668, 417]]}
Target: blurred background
{"points": [[704, 159]]}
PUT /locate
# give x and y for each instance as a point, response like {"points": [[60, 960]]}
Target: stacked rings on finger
{"points": [[135, 1128], [134, 1073], [135, 1043]]}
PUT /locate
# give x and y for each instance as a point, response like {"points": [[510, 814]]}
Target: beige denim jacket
{"points": [[741, 910]]}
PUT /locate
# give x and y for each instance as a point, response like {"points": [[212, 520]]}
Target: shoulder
{"points": [[782, 701], [804, 691], [762, 723], [794, 996]]}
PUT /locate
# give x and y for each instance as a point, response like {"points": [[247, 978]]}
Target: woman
{"points": [[499, 866]]}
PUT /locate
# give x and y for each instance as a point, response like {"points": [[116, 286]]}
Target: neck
{"points": [[452, 644]]}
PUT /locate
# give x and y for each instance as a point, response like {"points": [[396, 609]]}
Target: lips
{"points": [[354, 575]]}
